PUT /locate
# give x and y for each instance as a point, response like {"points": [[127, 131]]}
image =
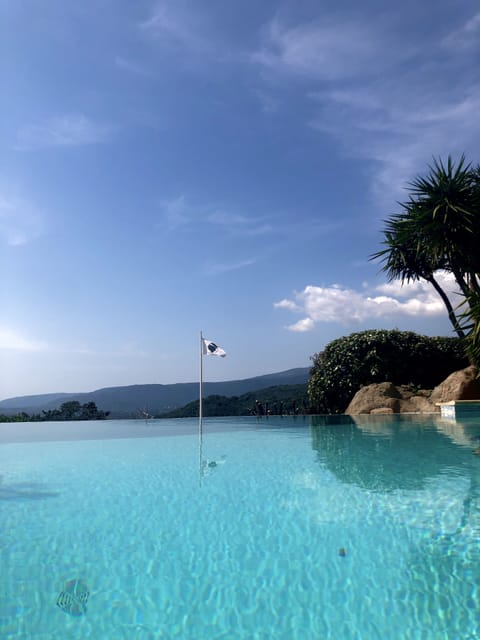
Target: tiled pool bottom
{"points": [[303, 529]]}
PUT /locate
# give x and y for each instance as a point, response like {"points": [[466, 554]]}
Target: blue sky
{"points": [[171, 167]]}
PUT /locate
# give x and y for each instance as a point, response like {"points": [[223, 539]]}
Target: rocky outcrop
{"points": [[461, 385], [373, 397], [385, 397]]}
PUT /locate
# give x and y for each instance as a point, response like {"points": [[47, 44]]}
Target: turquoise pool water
{"points": [[274, 529]]}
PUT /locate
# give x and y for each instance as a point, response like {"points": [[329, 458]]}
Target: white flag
{"points": [[211, 349]]}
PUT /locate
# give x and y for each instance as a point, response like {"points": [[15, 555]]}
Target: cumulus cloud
{"points": [[420, 287], [287, 304], [305, 324], [70, 130], [347, 306]]}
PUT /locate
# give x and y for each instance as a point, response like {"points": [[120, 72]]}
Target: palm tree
{"points": [[445, 206], [406, 257], [439, 228]]}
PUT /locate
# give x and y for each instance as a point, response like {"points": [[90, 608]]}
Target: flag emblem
{"points": [[212, 349]]}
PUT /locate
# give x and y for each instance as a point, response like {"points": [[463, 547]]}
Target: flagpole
{"points": [[200, 405], [200, 410]]}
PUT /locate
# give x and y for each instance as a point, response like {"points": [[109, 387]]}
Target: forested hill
{"points": [[279, 400], [156, 399]]}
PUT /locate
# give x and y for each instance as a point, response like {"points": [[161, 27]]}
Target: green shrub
{"points": [[400, 357]]}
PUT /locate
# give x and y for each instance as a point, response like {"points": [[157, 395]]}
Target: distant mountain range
{"points": [[130, 401]]}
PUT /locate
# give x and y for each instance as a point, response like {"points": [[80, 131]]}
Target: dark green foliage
{"points": [[280, 399], [400, 357], [212, 406], [71, 410], [18, 417]]}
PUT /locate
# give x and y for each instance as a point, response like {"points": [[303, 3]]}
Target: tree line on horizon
{"points": [[71, 410], [288, 399]]}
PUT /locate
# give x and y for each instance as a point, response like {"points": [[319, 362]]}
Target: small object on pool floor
{"points": [[74, 597], [477, 451], [208, 466], [342, 552]]}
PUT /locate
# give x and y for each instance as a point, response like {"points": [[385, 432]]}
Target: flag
{"points": [[211, 349]]}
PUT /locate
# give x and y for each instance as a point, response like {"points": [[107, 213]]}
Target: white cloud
{"points": [[225, 219], [306, 324], [364, 95], [420, 287], [178, 212], [70, 130], [287, 304], [330, 49], [20, 222], [163, 19], [168, 22], [399, 130], [13, 341], [239, 224], [347, 306], [467, 36], [215, 269]]}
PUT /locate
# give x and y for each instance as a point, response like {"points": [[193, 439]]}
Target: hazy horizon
{"points": [[142, 384]]}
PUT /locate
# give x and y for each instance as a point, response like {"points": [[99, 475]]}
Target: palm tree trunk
{"points": [[451, 313], [461, 281]]}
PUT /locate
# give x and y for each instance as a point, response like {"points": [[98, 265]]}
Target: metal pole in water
{"points": [[200, 410]]}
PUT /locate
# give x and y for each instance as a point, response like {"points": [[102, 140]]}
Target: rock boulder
{"points": [[386, 398], [460, 385], [373, 397]]}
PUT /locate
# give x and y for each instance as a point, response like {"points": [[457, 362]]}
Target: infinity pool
{"points": [[274, 529]]}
